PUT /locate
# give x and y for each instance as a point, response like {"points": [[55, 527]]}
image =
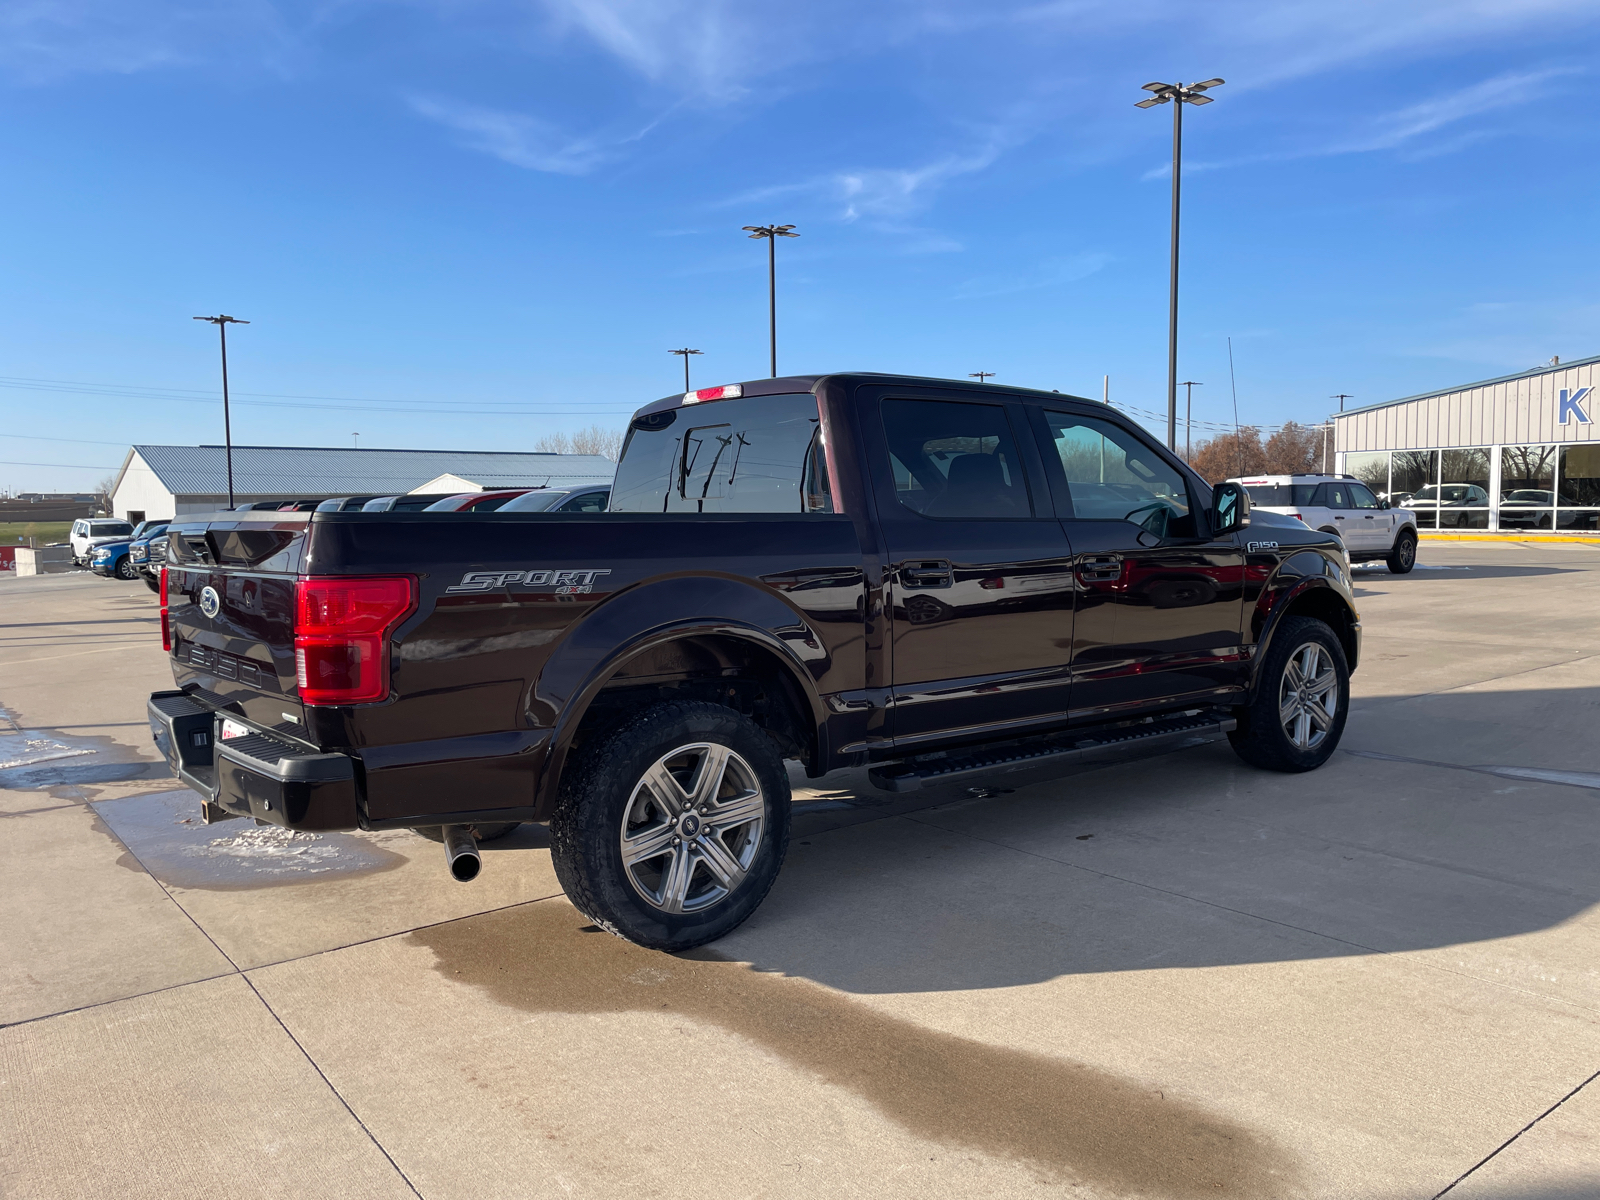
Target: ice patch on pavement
{"points": [[273, 848], [20, 750]]}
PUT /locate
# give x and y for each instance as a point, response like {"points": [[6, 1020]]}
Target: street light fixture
{"points": [[222, 321], [1188, 414], [686, 352], [772, 233], [1341, 398], [980, 376], [1177, 95]]}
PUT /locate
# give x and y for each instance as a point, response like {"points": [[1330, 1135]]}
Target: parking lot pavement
{"points": [[1168, 978]]}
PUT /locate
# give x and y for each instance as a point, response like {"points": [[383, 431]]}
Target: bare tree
{"points": [[102, 492], [1295, 449], [596, 439], [1230, 455]]}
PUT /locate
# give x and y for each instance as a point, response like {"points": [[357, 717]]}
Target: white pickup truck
{"points": [[1344, 506]]}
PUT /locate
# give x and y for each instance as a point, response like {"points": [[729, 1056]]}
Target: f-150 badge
{"points": [[1253, 548], [565, 583]]}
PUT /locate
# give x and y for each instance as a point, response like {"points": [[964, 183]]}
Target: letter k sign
{"points": [[1572, 406]]}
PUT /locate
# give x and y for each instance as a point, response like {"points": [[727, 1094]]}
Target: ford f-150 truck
{"points": [[927, 578]]}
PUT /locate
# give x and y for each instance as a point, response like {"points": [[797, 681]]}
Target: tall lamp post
{"points": [[686, 352], [222, 321], [1177, 95], [1188, 414], [1341, 398], [980, 376], [772, 233]]}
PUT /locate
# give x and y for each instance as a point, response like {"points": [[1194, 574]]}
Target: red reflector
{"points": [[341, 635], [731, 392], [166, 623]]}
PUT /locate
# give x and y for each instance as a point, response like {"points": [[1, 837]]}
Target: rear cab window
{"points": [[954, 459], [759, 454]]}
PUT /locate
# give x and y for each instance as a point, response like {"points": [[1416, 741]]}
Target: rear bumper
{"points": [[253, 776]]}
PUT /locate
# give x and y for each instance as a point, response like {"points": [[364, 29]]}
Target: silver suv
{"points": [[1344, 506]]}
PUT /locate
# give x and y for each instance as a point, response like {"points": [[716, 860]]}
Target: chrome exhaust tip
{"points": [[461, 852]]}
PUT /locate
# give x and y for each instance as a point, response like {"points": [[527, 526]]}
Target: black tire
{"points": [[1261, 738], [605, 798], [125, 569], [153, 584], [485, 832], [1403, 554]]}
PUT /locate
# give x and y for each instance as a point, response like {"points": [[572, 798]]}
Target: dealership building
{"points": [[1516, 453]]}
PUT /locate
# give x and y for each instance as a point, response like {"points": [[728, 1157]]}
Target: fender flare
{"points": [[569, 714], [1280, 610]]}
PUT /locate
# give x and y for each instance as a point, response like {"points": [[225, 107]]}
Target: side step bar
{"points": [[1070, 747]]}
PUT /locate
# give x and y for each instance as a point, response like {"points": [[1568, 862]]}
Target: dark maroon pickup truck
{"points": [[929, 578]]}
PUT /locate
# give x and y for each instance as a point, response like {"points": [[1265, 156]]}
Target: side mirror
{"points": [[1383, 504], [1230, 508]]}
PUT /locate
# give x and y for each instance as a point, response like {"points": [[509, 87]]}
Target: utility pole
{"points": [[355, 439], [685, 352], [772, 233], [1341, 398], [222, 321], [980, 376], [1188, 414], [1177, 95]]}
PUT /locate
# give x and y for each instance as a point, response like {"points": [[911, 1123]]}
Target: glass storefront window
{"points": [[1579, 476], [1527, 487], [1372, 469], [1578, 518], [1414, 484]]}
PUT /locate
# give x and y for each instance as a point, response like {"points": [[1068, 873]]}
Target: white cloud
{"points": [[521, 140], [1049, 273]]}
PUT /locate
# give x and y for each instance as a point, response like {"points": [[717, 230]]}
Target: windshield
{"points": [[537, 500], [758, 455], [109, 529]]}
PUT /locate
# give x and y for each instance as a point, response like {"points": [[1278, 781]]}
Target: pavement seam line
{"points": [[311, 1062], [67, 1012], [1566, 662], [1518, 1133]]}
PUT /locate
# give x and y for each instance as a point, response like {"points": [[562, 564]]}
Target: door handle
{"points": [[936, 574], [1100, 568], [1338, 518]]}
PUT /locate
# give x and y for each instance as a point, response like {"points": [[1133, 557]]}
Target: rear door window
{"points": [[955, 460], [762, 454]]}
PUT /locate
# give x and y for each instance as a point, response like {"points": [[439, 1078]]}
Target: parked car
{"points": [[1447, 495], [89, 532], [1526, 508], [1345, 507], [484, 502], [406, 503], [933, 579], [148, 553], [586, 499], [344, 503], [114, 558]]}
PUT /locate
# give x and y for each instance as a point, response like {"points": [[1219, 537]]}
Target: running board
{"points": [[1071, 747]]}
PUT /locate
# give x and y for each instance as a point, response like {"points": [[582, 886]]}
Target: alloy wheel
{"points": [[1308, 698], [692, 827]]}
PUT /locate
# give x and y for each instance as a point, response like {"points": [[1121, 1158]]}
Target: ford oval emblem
{"points": [[210, 602]]}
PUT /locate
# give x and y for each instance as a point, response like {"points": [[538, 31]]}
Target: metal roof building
{"points": [[1516, 452], [167, 481]]}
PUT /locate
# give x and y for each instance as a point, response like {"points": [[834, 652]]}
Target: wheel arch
{"points": [[1317, 598], [733, 662]]}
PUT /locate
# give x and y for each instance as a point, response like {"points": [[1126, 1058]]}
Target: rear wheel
{"points": [[1297, 716], [1404, 554], [672, 826], [485, 831]]}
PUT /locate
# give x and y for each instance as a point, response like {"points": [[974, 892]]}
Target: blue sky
{"points": [[464, 223]]}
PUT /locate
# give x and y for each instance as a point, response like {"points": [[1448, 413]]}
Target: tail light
{"points": [[341, 635], [731, 392], [166, 623]]}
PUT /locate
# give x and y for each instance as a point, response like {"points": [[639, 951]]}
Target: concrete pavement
{"points": [[1167, 978]]}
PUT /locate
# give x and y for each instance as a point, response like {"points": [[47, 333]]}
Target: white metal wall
{"points": [[1516, 412]]}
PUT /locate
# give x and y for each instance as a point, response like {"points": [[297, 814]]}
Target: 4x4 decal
{"points": [[566, 583]]}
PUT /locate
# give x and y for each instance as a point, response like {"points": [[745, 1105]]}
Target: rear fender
{"points": [[649, 617]]}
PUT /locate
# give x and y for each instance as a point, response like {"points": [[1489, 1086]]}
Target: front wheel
{"points": [[1404, 554], [1302, 697], [672, 827], [153, 584], [125, 570]]}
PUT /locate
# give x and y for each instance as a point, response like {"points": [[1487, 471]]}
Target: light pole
{"points": [[1177, 95], [980, 376], [1341, 398], [686, 352], [222, 321], [1188, 414], [772, 233]]}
